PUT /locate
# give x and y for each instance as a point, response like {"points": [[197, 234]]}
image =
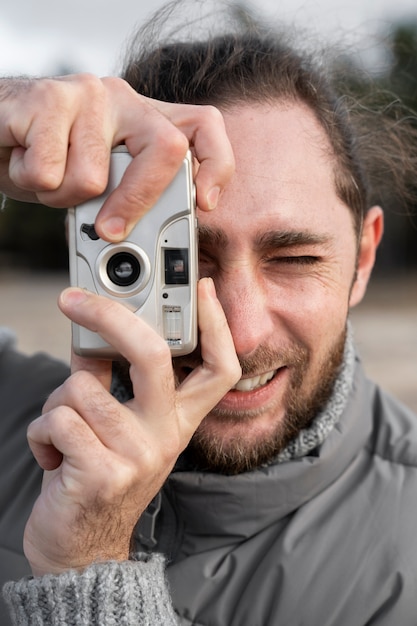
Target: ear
{"points": [[373, 228]]}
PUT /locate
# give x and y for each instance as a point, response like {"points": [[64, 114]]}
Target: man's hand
{"points": [[105, 461], [56, 136]]}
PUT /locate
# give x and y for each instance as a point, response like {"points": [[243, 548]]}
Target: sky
{"points": [[48, 37]]}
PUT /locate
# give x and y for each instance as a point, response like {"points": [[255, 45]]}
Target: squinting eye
{"points": [[295, 260], [206, 262]]}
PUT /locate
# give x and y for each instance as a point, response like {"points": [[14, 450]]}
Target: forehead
{"points": [[284, 172]]}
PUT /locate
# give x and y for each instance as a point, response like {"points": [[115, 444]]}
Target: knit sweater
{"points": [[128, 593]]}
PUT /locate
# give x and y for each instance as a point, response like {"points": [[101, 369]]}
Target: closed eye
{"points": [[294, 260]]}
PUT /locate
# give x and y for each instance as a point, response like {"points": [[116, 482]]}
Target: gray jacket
{"points": [[329, 539], [325, 539], [25, 384]]}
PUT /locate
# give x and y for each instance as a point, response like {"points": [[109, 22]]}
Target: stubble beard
{"points": [[307, 394]]}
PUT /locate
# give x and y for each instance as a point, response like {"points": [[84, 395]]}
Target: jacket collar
{"points": [[210, 505]]}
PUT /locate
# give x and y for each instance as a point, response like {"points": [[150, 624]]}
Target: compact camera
{"points": [[154, 271]]}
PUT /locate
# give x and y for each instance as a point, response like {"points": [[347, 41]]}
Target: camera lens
{"points": [[123, 269]]}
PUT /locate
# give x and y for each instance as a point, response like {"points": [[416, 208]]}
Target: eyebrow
{"points": [[290, 238], [215, 237], [212, 236]]}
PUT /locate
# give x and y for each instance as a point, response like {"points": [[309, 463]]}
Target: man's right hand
{"points": [[56, 135], [105, 461]]}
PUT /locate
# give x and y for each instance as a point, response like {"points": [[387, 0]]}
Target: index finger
{"points": [[158, 143], [204, 127]]}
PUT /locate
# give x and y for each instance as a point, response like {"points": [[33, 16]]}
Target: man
{"points": [[294, 502]]}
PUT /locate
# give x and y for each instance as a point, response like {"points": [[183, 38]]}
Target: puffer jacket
{"points": [[329, 539], [25, 384]]}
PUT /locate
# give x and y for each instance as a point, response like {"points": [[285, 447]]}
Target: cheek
{"points": [[314, 313]]}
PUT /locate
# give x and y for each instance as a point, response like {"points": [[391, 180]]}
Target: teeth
{"points": [[248, 384]]}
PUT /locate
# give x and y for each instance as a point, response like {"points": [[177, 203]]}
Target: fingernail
{"points": [[213, 197], [73, 296], [113, 228]]}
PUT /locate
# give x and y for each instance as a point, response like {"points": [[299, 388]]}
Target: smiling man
{"points": [[277, 482], [285, 277]]}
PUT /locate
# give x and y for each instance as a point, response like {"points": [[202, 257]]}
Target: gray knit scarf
{"points": [[309, 438]]}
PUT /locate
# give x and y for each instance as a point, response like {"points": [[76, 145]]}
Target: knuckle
{"points": [[43, 127], [115, 83], [139, 197], [43, 176], [101, 312], [90, 81], [159, 354], [169, 143], [69, 92], [211, 115], [228, 167], [170, 149], [78, 385], [158, 460], [119, 481], [92, 183], [62, 422], [56, 94], [109, 411], [92, 94], [173, 143]]}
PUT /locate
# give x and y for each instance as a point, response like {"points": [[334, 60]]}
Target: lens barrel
{"points": [[123, 269]]}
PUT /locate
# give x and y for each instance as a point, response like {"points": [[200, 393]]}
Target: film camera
{"points": [[154, 272]]}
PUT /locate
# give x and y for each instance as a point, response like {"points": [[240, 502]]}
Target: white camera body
{"points": [[154, 271]]}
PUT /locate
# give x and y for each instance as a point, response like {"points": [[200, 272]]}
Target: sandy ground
{"points": [[385, 325]]}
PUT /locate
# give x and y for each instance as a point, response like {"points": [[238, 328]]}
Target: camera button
{"points": [[90, 231]]}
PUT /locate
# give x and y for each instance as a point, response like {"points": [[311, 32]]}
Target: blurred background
{"points": [[49, 38]]}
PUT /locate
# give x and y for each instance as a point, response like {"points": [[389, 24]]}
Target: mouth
{"points": [[255, 394], [250, 384], [244, 384], [250, 393]]}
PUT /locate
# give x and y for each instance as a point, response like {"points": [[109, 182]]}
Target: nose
{"points": [[248, 314]]}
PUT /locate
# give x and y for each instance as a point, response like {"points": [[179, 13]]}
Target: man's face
{"points": [[281, 249]]}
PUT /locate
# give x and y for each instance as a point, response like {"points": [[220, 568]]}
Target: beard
{"points": [[307, 394]]}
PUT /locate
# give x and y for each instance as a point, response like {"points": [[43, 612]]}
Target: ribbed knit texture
{"points": [[309, 438], [129, 593]]}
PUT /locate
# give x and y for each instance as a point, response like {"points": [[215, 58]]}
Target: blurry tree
{"points": [[32, 236], [401, 230], [383, 92], [403, 75]]}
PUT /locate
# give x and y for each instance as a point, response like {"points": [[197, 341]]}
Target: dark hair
{"points": [[250, 63]]}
